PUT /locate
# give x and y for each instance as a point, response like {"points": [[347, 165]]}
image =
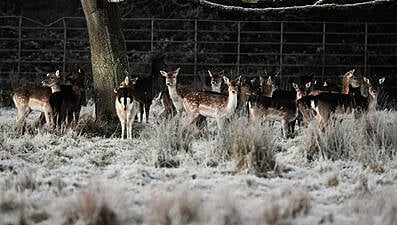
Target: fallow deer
{"points": [[67, 103], [126, 105], [147, 88], [176, 91], [279, 109], [216, 80], [212, 104], [31, 99], [327, 103], [267, 86]]}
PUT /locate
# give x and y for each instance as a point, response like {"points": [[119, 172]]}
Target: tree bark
{"points": [[108, 52]]}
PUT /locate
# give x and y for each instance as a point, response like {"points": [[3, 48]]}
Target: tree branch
{"points": [[316, 5]]}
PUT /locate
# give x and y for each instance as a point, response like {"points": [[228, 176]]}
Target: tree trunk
{"points": [[108, 52]]}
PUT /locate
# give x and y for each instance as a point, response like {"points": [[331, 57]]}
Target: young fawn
{"points": [[212, 104], [31, 99], [126, 105]]}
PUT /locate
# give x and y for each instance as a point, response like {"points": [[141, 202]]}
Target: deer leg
{"points": [[21, 116], [285, 126], [141, 110], [147, 108]]}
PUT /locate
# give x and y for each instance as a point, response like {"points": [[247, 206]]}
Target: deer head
{"points": [[52, 80], [170, 77], [267, 86], [301, 90], [216, 80]]}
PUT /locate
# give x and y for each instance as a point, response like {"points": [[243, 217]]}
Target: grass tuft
{"points": [[250, 145]]}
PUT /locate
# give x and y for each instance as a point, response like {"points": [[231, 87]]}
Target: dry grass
{"points": [[370, 139], [251, 146], [170, 139], [86, 207]]}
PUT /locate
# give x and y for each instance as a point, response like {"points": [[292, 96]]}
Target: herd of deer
{"points": [[62, 103], [264, 103]]}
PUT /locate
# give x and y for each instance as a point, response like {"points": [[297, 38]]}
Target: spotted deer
{"points": [[326, 104], [126, 105], [216, 80], [212, 104], [31, 99], [279, 109]]}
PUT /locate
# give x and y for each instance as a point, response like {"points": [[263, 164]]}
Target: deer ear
{"points": [[308, 84], [177, 71], [269, 80], [57, 73], [295, 86], [381, 80], [209, 72], [163, 73], [48, 74], [79, 71], [261, 79], [126, 80], [116, 89], [134, 80], [226, 79], [366, 80]]}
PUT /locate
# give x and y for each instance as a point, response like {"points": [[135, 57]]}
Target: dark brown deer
{"points": [[126, 105], [327, 103], [68, 102], [147, 88]]}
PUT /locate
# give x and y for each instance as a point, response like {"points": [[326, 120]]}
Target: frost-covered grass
{"points": [[166, 176]]}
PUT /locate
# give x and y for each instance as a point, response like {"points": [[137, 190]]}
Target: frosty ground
{"points": [[78, 178]]}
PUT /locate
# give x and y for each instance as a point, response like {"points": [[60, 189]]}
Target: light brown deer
{"points": [[27, 100], [126, 105], [212, 104], [176, 91], [216, 81]]}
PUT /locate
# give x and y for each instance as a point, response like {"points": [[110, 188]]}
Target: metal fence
{"points": [[29, 48]]}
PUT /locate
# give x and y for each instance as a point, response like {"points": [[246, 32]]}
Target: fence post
{"points": [[238, 47], [281, 49], [323, 56], [365, 48], [64, 43], [152, 34], [19, 44], [195, 50]]}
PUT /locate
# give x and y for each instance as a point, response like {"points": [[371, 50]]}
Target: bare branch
{"points": [[317, 5]]}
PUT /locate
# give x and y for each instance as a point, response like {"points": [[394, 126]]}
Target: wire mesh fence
{"points": [[29, 48]]}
